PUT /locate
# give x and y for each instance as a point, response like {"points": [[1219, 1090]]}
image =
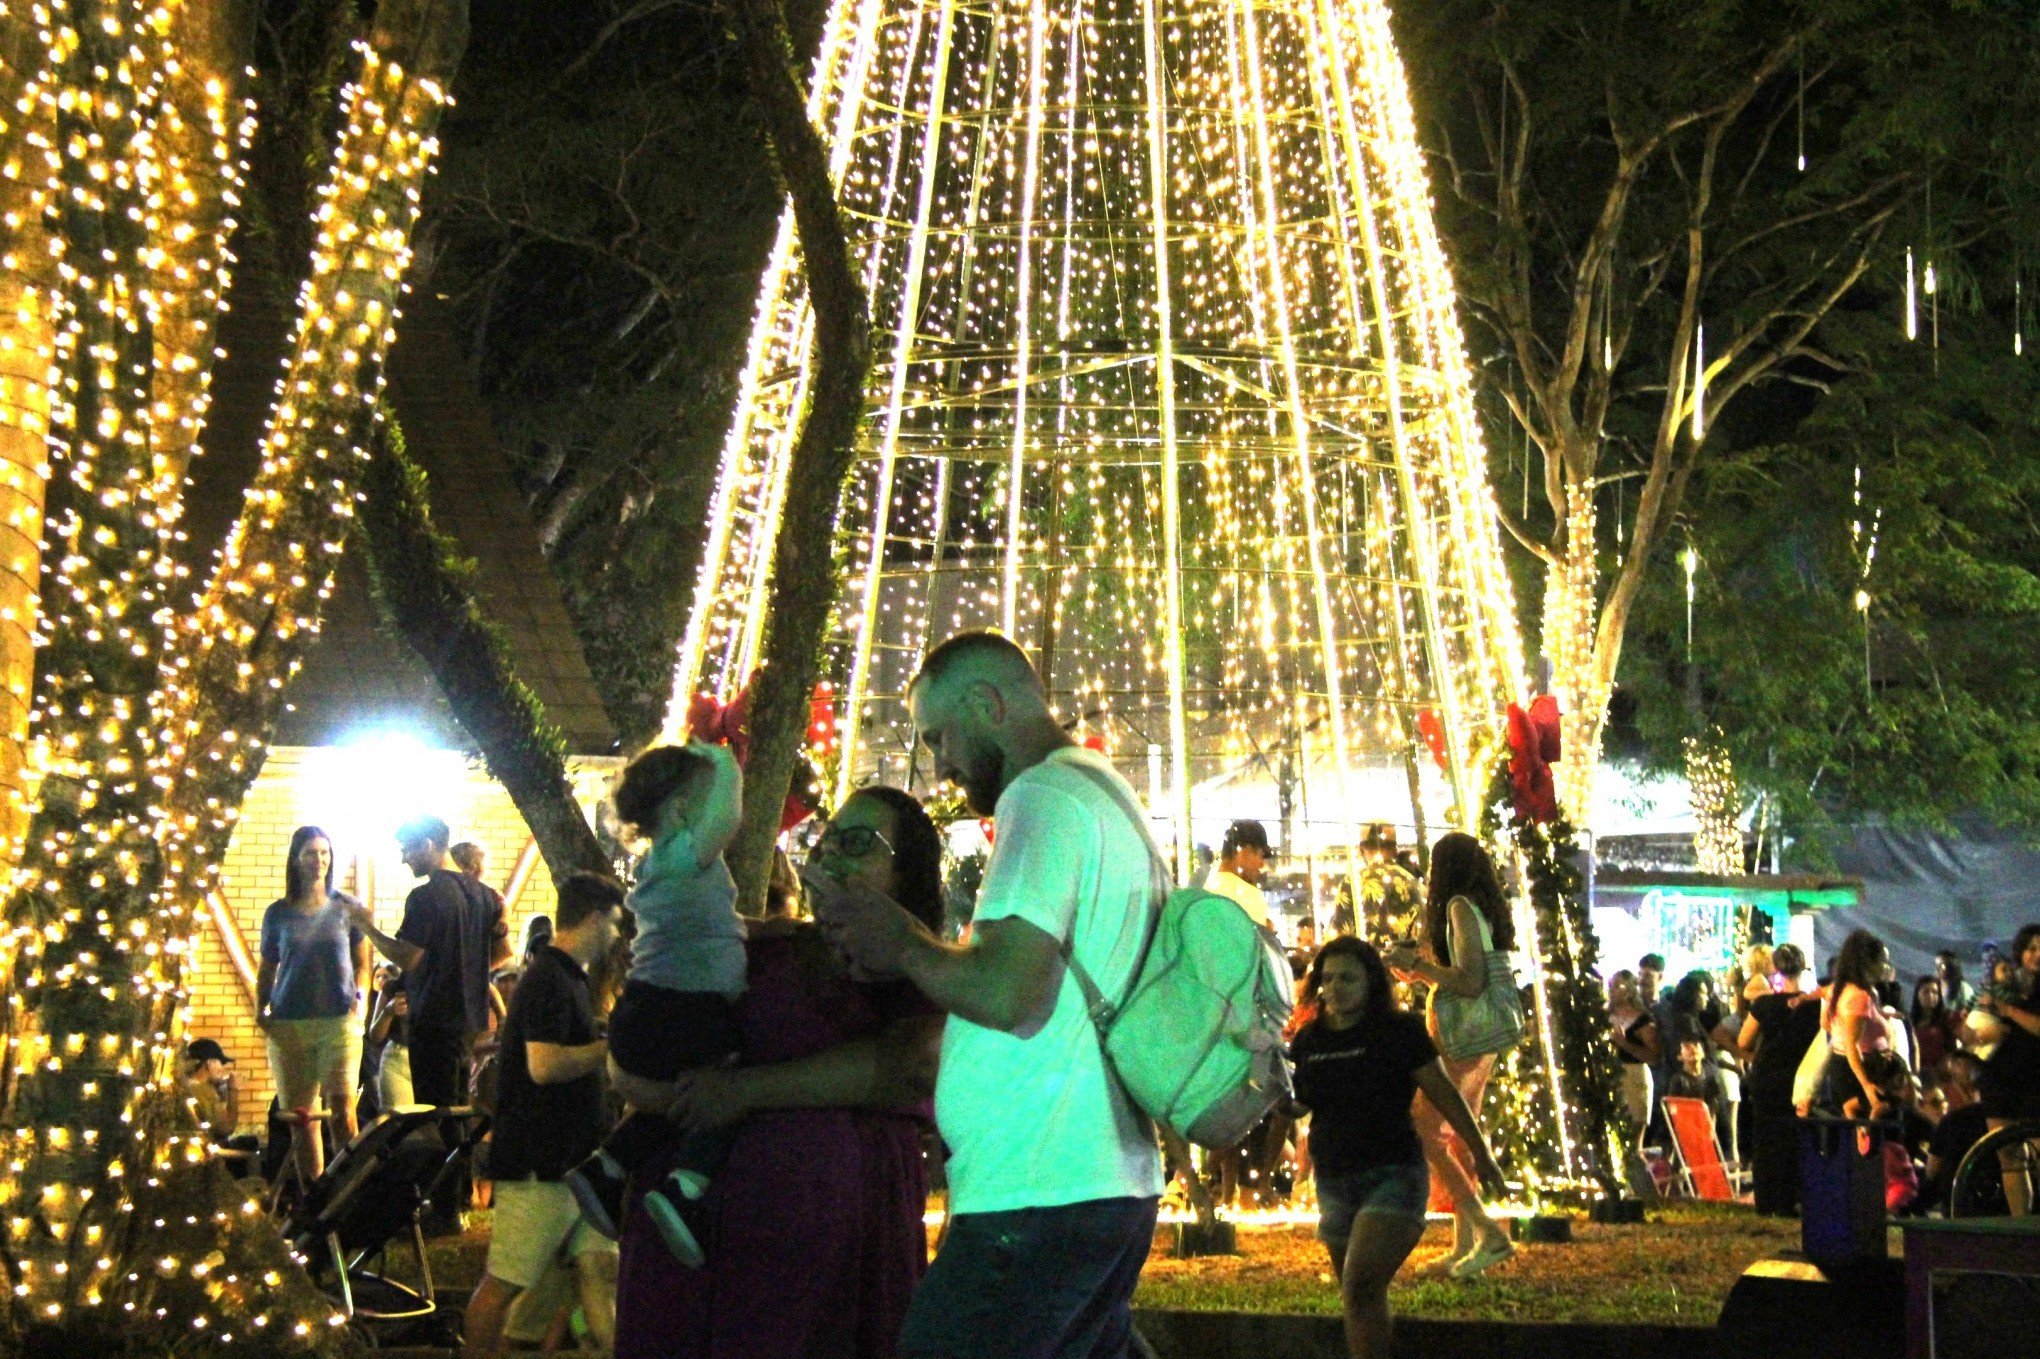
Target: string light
{"points": [[1171, 390]]}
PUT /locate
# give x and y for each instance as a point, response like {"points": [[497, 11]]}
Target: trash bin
{"points": [[1841, 1184]]}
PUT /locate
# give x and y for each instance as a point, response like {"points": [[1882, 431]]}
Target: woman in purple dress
{"points": [[815, 1221]]}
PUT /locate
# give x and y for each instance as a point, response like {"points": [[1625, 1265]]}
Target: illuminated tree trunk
{"points": [[113, 1216], [803, 584], [1577, 679], [259, 615], [1717, 803], [90, 995], [27, 346]]}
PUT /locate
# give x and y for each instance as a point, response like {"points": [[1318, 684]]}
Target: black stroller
{"points": [[374, 1196]]}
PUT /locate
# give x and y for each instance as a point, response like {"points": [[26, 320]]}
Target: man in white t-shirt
{"points": [[1242, 859], [1053, 1174]]}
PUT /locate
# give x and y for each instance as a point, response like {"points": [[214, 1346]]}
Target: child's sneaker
{"points": [[677, 1209], [597, 1185]]}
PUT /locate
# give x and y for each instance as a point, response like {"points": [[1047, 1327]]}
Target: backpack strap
{"points": [[1101, 1010]]}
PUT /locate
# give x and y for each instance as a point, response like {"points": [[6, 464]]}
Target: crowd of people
{"points": [[714, 1134], [1766, 1046]]}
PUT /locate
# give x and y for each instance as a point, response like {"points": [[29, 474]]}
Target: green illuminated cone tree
{"points": [[1167, 385]]}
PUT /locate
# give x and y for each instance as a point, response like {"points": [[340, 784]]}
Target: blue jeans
{"points": [[1035, 1283]]}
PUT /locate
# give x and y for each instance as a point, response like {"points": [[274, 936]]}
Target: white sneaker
{"points": [[1484, 1258]]}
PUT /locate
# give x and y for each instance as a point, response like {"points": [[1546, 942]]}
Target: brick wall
{"points": [[358, 795]]}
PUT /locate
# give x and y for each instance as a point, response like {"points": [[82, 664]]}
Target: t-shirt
{"points": [[1872, 1034], [1359, 1084], [1036, 1122], [1785, 1031], [456, 921], [1233, 887], [688, 934], [545, 1130], [313, 954]]}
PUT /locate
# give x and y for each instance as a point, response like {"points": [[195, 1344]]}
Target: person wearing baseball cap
{"points": [[210, 1082]]}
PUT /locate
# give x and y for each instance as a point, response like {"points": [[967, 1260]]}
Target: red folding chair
{"points": [[1696, 1152]]}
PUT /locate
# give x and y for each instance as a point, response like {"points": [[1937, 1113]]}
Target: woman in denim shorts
{"points": [[1359, 1065]]}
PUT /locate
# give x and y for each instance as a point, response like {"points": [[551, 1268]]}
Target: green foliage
{"points": [[1946, 720]]}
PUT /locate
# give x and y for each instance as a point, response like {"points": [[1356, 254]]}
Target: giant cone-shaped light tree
{"points": [[1167, 385], [149, 717]]}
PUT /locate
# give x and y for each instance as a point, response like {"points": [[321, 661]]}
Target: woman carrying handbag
{"points": [[1476, 1012]]}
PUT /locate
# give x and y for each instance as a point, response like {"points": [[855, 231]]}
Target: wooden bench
{"points": [[1963, 1245]]}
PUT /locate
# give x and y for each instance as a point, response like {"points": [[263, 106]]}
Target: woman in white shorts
{"points": [[308, 995]]}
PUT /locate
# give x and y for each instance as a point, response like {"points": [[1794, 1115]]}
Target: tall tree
{"points": [[1867, 593], [1653, 210]]}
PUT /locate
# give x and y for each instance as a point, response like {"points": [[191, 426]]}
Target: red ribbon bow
{"points": [[730, 724], [1533, 749]]}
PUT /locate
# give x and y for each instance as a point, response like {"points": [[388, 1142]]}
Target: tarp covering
{"points": [[1924, 891]]}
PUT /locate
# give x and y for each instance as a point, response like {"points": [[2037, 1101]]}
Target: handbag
{"points": [[1812, 1071], [1473, 1026]]}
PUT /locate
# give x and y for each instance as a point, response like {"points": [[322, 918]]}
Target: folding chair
{"points": [[1696, 1152]]}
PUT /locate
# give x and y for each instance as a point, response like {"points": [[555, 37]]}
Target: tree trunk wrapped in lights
{"points": [[1169, 388], [27, 348], [113, 1220], [258, 617], [1717, 837]]}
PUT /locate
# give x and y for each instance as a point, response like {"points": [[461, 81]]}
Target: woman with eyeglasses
{"points": [[817, 1213]]}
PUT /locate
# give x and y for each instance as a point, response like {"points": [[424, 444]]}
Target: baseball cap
{"points": [[206, 1050]]}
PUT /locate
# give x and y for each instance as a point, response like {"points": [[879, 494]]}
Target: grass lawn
{"points": [[1673, 1270]]}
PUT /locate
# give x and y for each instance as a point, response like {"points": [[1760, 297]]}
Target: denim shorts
{"points": [[1398, 1191], [1035, 1283]]}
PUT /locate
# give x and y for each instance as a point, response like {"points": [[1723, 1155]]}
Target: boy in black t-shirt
{"points": [[549, 1115], [1359, 1066]]}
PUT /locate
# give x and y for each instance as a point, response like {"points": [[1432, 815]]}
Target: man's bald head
{"points": [[982, 711], [981, 657]]}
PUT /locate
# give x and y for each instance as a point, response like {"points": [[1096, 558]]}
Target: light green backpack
{"points": [[1197, 1039]]}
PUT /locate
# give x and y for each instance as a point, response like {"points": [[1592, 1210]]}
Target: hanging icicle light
{"points": [[1912, 304], [1699, 381], [1802, 110], [1690, 559], [2018, 317]]}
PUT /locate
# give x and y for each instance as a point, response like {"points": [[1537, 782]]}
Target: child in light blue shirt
{"points": [[677, 1011]]}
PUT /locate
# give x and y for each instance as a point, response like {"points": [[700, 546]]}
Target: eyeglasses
{"points": [[850, 842]]}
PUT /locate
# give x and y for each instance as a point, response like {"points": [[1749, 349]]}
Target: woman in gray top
{"points": [[308, 995]]}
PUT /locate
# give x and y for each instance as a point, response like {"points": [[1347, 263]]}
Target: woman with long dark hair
{"points": [[817, 1212], [1361, 1066], [1935, 1027], [309, 993], [1855, 1023], [1465, 919]]}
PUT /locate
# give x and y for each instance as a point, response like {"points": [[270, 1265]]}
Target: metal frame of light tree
{"points": [[1169, 388], [142, 160]]}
